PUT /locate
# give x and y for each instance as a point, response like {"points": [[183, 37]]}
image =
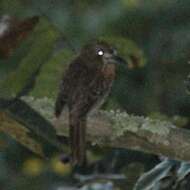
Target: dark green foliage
{"points": [[47, 83], [155, 34], [187, 82], [15, 83]]}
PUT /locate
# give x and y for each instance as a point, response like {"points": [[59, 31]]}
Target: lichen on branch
{"points": [[120, 130]]}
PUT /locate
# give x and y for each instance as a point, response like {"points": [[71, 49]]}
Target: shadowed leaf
{"points": [[3, 144], [20, 133], [187, 83], [22, 78], [32, 120], [47, 82]]}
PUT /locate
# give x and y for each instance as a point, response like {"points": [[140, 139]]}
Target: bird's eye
{"points": [[100, 52]]}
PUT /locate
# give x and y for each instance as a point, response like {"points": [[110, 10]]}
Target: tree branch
{"points": [[120, 130]]}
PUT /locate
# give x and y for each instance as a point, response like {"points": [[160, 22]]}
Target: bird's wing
{"points": [[89, 93], [73, 85]]}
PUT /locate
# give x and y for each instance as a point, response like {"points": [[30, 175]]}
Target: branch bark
{"points": [[120, 130]]}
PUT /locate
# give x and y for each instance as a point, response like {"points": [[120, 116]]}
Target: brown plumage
{"points": [[85, 84]]}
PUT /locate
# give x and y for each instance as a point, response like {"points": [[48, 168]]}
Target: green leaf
{"points": [[47, 82], [38, 125], [44, 38]]}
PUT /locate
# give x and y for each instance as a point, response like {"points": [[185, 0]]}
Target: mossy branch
{"points": [[120, 130]]}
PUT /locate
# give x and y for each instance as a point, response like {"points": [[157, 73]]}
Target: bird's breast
{"points": [[108, 72]]}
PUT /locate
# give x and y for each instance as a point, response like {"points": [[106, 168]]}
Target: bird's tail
{"points": [[78, 141]]}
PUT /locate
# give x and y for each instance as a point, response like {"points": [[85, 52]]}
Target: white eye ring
{"points": [[100, 52]]}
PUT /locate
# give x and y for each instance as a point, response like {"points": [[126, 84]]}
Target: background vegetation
{"points": [[154, 35]]}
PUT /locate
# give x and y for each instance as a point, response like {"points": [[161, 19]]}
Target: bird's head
{"points": [[102, 53]]}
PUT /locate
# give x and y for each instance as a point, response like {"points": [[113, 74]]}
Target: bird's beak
{"points": [[119, 60]]}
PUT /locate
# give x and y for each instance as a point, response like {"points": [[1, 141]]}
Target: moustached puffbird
{"points": [[84, 87]]}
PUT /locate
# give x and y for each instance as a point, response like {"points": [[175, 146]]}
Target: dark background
{"points": [[155, 34]]}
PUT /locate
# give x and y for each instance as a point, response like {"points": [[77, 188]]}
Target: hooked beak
{"points": [[115, 59]]}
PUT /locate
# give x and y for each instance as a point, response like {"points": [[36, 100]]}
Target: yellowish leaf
{"points": [[59, 167], [19, 133], [33, 167]]}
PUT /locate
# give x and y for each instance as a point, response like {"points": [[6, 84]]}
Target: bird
{"points": [[84, 87]]}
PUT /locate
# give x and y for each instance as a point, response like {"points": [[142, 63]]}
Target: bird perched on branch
{"points": [[84, 87]]}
